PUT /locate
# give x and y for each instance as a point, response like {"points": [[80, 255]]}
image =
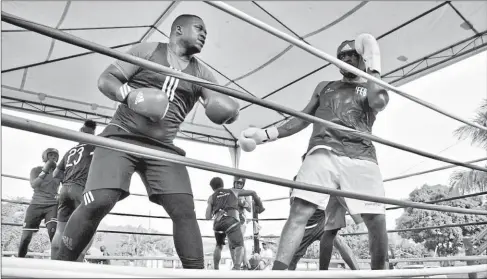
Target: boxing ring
{"points": [[30, 268]]}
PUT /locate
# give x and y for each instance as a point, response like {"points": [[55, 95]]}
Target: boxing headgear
{"points": [[348, 47], [239, 181], [47, 151], [89, 127], [216, 183]]}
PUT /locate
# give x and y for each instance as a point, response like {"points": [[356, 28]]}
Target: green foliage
{"points": [[358, 243], [446, 241], [405, 248], [470, 181], [477, 136]]}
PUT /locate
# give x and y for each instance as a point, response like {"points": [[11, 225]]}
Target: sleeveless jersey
{"points": [[183, 95], [345, 104], [76, 164], [46, 193], [224, 199]]}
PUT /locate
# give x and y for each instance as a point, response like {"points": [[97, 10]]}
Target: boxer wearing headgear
{"points": [[223, 206], [152, 108], [73, 171], [334, 158], [43, 205]]}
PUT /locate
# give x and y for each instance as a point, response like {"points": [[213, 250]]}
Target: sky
{"points": [[459, 89]]}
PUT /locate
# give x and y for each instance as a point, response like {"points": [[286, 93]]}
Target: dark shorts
{"points": [[114, 169], [36, 213], [70, 197], [228, 226], [310, 235]]}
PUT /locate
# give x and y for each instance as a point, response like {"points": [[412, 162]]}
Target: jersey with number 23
{"points": [[181, 94], [76, 164]]}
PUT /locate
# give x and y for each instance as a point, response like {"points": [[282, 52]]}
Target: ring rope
{"points": [[399, 207], [31, 268], [424, 228], [485, 266], [115, 232], [401, 230], [173, 258], [340, 64], [274, 219], [110, 213], [447, 199], [68, 38], [50, 130], [431, 170]]}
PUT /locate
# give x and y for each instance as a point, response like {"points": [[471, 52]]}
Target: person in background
{"points": [[44, 203]]}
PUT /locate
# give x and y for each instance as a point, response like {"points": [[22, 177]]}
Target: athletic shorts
{"points": [[228, 226], [36, 213], [326, 169], [114, 169], [311, 234], [70, 197]]}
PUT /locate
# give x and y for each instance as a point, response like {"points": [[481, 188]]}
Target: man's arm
{"points": [[112, 82], [209, 208], [243, 193], [295, 124], [251, 137], [377, 97], [58, 173], [36, 177], [245, 203], [368, 47]]}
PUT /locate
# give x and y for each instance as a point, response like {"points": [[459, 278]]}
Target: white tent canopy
{"points": [[42, 75]]}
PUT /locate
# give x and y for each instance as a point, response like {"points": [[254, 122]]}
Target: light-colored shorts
{"points": [[324, 168]]}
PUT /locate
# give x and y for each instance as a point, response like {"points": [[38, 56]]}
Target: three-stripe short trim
{"points": [[88, 198]]}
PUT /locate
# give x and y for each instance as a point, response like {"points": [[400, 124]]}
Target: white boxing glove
{"points": [[251, 137], [368, 47]]}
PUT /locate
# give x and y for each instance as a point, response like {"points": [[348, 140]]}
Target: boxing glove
{"points": [[251, 137], [221, 110], [242, 202], [57, 173], [368, 47], [258, 205], [48, 166], [149, 102]]}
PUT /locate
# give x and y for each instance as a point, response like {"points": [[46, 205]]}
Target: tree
{"points": [[398, 247], [468, 181], [134, 244], [358, 243], [15, 213], [445, 241], [476, 135]]}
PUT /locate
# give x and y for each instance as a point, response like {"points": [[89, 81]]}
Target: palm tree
{"points": [[468, 181]]}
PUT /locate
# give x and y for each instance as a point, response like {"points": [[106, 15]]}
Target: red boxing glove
{"points": [[222, 110], [149, 102]]}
